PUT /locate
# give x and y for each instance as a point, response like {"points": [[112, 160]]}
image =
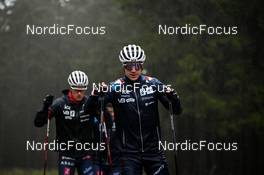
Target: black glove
{"points": [[171, 94], [47, 101], [41, 118]]}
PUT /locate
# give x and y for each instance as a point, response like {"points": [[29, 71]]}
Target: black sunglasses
{"points": [[130, 66]]}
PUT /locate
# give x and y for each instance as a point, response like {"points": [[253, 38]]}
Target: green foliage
{"points": [[215, 75]]}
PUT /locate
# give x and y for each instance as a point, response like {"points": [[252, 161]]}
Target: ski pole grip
{"points": [[47, 101]]}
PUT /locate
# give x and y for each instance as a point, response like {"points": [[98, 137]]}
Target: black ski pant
{"points": [[153, 162]]}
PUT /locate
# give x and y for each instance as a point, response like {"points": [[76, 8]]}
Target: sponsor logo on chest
{"points": [[70, 113], [146, 91], [126, 100]]}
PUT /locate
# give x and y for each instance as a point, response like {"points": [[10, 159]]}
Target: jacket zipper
{"points": [[140, 127], [124, 138]]}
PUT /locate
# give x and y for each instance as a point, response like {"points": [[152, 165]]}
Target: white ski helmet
{"points": [[78, 80], [132, 53]]}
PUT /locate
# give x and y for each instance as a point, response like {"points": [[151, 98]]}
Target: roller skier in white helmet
{"points": [[74, 126]]}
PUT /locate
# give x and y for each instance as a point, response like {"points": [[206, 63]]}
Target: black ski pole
{"points": [[103, 129], [46, 141], [101, 99], [174, 137], [107, 141]]}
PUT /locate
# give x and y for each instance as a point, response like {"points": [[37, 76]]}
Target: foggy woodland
{"points": [[219, 77]]}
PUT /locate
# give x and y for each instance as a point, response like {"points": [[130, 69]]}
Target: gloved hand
{"points": [[47, 101], [171, 93]]}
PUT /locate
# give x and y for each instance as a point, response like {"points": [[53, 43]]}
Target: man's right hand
{"points": [[47, 101]]}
